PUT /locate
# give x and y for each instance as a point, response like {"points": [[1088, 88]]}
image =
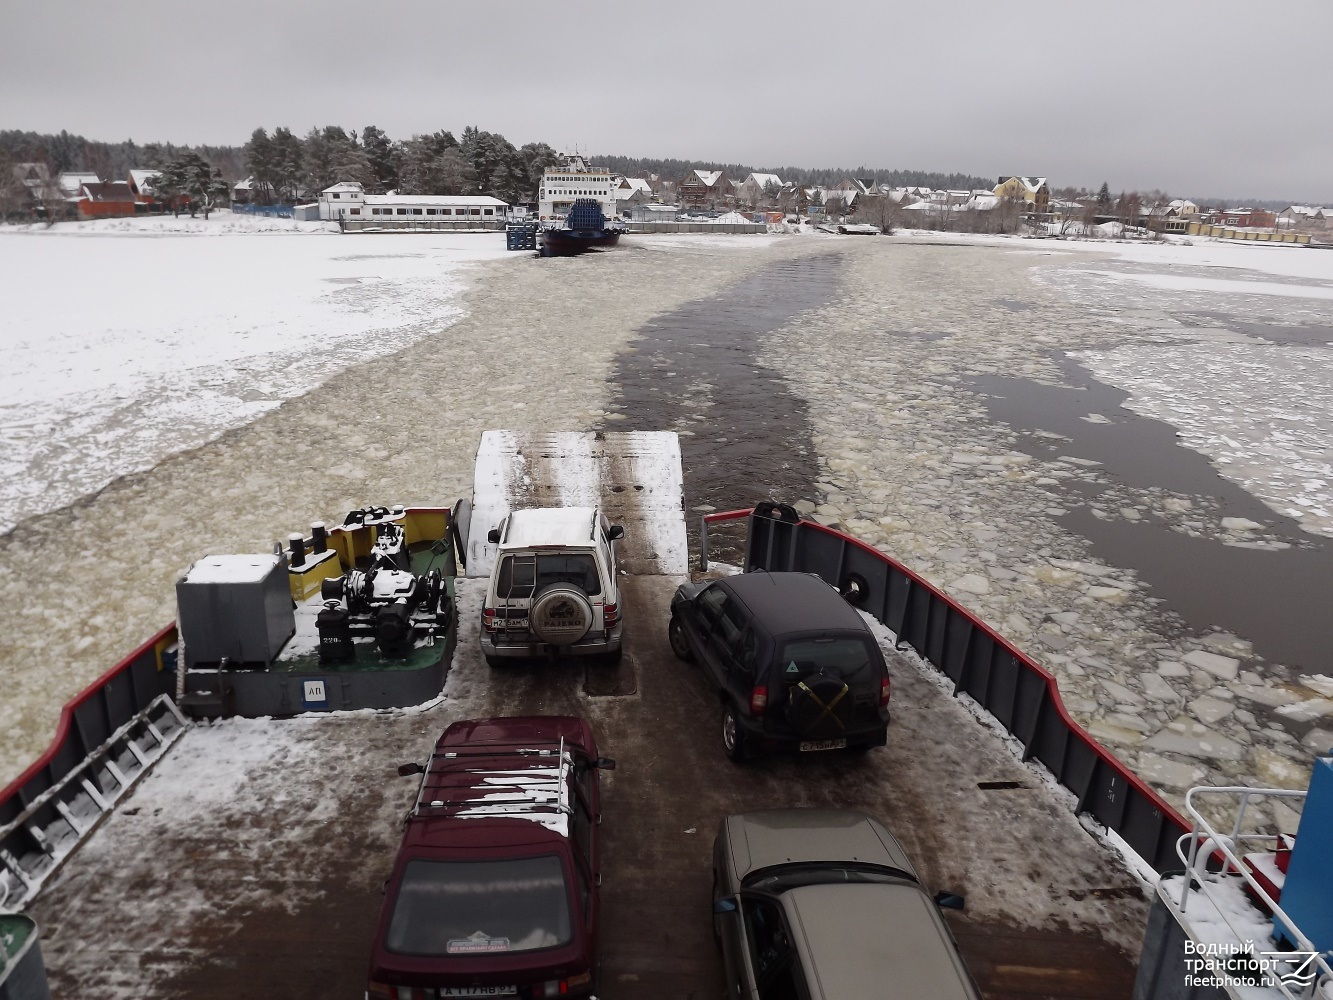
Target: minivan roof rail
{"points": [[529, 794]]}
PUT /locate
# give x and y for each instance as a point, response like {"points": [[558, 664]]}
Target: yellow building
{"points": [[1032, 190]]}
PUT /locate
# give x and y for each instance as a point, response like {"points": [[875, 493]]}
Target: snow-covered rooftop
{"points": [[764, 180], [709, 177], [549, 526], [143, 179], [232, 569], [71, 183], [445, 200]]}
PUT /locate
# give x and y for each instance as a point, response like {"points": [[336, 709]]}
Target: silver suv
{"points": [[553, 590], [823, 904]]}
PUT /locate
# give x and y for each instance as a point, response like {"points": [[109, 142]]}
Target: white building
{"points": [[562, 185], [348, 200], [756, 187]]}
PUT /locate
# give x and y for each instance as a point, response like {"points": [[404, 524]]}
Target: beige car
{"points": [[822, 904]]}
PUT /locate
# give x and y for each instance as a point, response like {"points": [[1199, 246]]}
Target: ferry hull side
{"points": [[566, 242]]}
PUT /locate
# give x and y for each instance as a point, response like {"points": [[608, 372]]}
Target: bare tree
{"points": [[881, 211], [1089, 216], [1010, 211], [13, 196]]}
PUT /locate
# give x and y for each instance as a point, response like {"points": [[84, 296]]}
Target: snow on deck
{"points": [[634, 476], [256, 850]]}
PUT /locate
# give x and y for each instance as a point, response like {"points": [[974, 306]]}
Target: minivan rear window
{"points": [[524, 575], [480, 907], [846, 657]]}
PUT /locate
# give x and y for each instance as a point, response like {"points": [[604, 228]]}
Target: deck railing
{"points": [[1212, 859]]}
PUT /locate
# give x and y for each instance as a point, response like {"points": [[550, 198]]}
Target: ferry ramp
{"points": [[252, 859], [635, 476]]}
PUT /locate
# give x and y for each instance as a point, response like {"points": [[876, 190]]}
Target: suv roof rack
{"points": [[539, 790]]}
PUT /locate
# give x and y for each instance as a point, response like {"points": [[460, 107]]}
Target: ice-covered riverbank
{"points": [[130, 340]]}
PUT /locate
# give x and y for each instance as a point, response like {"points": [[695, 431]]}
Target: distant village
{"points": [[1014, 204]]}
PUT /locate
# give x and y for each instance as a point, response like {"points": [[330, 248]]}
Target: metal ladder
{"points": [[35, 843]]}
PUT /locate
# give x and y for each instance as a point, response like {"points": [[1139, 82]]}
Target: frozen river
{"points": [[866, 360], [124, 347]]}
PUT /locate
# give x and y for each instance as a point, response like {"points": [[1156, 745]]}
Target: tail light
{"points": [[884, 692], [488, 619], [758, 700], [611, 614], [562, 987]]}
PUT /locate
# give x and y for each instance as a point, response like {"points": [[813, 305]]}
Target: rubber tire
{"points": [[736, 753], [800, 706], [570, 593], [855, 589], [680, 645], [613, 659]]}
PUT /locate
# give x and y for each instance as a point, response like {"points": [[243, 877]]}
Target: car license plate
{"points": [[478, 991], [823, 745]]}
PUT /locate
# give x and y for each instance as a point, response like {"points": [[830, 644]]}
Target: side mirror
{"points": [[727, 904], [493, 536], [414, 768], [604, 764], [617, 531], [948, 900]]}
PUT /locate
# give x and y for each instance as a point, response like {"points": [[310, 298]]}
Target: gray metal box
{"points": [[237, 606]]}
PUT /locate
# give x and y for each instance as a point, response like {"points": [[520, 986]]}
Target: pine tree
{"points": [[287, 155], [259, 162], [1104, 198], [169, 185], [383, 164]]}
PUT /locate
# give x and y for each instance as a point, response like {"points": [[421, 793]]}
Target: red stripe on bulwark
{"points": [[1052, 685], [67, 713]]}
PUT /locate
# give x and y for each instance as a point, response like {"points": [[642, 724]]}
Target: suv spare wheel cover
{"points": [[820, 707], [561, 614]]}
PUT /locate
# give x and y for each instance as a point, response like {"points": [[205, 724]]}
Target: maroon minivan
{"points": [[494, 892]]}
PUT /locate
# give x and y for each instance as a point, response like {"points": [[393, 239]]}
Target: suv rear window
{"points": [[847, 658], [523, 575], [480, 907]]}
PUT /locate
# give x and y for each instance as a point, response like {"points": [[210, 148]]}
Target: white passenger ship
{"points": [[571, 180]]}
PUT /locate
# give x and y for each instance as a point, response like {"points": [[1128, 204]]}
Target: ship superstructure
{"points": [[570, 181]]}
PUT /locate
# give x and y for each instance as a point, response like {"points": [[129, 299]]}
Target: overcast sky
{"points": [[1224, 97]]}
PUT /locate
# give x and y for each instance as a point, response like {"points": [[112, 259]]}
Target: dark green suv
{"points": [[795, 666]]}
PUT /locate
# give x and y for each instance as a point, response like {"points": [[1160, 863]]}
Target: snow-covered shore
{"points": [[149, 340]]}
